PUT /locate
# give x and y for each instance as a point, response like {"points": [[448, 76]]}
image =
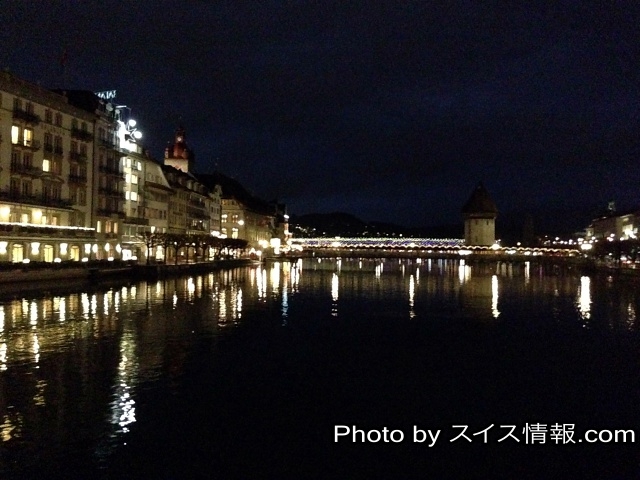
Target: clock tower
{"points": [[178, 155]]}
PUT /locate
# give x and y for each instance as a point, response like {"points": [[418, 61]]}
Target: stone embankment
{"points": [[29, 276]]}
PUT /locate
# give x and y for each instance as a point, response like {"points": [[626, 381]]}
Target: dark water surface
{"points": [[244, 374]]}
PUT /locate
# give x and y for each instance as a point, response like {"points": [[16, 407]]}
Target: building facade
{"points": [[107, 186], [46, 153], [246, 217], [614, 226]]}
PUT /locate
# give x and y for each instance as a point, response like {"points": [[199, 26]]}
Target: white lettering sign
{"points": [[107, 94]]}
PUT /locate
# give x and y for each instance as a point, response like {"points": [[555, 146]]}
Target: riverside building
{"points": [[47, 149], [107, 186], [262, 224]]}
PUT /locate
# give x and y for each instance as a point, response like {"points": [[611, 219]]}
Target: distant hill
{"points": [[346, 225], [511, 227]]}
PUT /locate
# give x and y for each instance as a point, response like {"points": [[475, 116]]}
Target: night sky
{"points": [[389, 111]]}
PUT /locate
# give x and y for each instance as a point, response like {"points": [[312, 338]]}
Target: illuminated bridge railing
{"points": [[398, 243], [428, 245]]}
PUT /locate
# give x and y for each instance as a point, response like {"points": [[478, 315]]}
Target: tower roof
{"points": [[480, 203]]}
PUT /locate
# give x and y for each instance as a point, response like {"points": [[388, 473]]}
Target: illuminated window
{"points": [[98, 226], [28, 137], [48, 253], [17, 253], [127, 178], [140, 166], [46, 165], [134, 179], [234, 233], [15, 134], [127, 195], [134, 196]]}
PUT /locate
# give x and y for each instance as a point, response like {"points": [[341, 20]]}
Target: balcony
{"points": [[28, 117], [200, 214], [107, 212], [77, 157], [110, 144], [33, 145], [136, 221], [111, 171], [81, 135], [25, 169], [47, 231], [111, 192], [77, 179], [34, 199]]}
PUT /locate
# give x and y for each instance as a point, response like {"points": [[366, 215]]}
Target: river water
{"points": [[246, 373]]}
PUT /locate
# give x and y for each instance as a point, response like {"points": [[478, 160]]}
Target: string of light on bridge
{"points": [[428, 245]]}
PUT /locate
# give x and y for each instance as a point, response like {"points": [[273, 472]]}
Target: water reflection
{"points": [[494, 296], [335, 286], [584, 298], [123, 406], [412, 289], [87, 356]]}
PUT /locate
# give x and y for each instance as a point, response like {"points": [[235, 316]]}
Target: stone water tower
{"points": [[480, 214]]}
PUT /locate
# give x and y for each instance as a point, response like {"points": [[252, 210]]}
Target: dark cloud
{"points": [[389, 110]]}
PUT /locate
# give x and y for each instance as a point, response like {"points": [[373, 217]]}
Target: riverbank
{"points": [[17, 277]]}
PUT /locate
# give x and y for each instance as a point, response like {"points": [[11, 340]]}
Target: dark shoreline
{"points": [[39, 280]]}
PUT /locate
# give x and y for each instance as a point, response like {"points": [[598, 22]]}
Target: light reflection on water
{"points": [[584, 298], [58, 348]]}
